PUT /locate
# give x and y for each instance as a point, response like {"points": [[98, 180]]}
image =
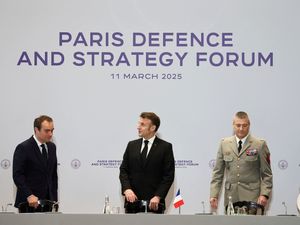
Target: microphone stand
{"points": [[285, 211], [285, 207], [203, 207]]}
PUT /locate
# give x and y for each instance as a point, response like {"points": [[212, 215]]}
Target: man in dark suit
{"points": [[147, 170], [35, 165]]}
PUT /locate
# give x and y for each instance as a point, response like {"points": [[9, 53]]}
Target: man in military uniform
{"points": [[245, 162]]}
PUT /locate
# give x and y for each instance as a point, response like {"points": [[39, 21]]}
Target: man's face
{"points": [[241, 127], [145, 128], [45, 133]]}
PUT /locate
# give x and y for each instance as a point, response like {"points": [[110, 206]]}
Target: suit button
{"points": [[238, 159], [238, 182], [238, 166], [238, 174]]}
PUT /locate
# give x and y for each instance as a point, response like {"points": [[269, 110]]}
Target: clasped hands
{"points": [[131, 197]]}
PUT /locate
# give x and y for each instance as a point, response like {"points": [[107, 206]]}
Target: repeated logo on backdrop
{"points": [[212, 163], [5, 163], [115, 163], [283, 164], [75, 163]]}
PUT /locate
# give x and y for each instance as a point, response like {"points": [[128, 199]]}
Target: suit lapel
{"points": [[138, 148], [233, 145], [247, 144], [38, 154], [152, 150], [50, 156]]}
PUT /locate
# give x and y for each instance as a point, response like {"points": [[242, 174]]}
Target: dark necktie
{"points": [[240, 146], [144, 152], [44, 152]]}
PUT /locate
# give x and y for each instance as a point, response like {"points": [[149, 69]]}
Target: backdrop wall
{"points": [[95, 65]]}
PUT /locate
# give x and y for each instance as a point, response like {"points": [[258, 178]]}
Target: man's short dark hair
{"points": [[38, 121], [153, 117], [242, 115]]}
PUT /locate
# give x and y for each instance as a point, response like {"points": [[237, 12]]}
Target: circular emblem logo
{"points": [[212, 163], [75, 163], [5, 163], [283, 164]]}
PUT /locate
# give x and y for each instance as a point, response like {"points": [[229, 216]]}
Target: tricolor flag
{"points": [[178, 201]]}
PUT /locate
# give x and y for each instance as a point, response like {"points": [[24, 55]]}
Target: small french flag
{"points": [[178, 201]]}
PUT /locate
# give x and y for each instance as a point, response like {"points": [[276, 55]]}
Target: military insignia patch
{"points": [[251, 152]]}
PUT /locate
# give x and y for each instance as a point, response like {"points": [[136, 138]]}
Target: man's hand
{"points": [[262, 200], [32, 201], [153, 204], [130, 196], [213, 203]]}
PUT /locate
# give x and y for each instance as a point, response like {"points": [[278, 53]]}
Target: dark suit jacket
{"points": [[32, 174], [152, 179]]}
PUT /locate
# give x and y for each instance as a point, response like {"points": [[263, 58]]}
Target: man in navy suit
{"points": [[35, 165], [147, 170]]}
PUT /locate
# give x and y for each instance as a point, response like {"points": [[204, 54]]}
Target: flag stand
{"points": [[178, 201]]}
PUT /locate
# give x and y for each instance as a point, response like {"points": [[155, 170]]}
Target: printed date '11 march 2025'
{"points": [[146, 76]]}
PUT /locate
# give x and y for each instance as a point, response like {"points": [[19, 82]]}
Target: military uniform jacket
{"points": [[247, 174]]}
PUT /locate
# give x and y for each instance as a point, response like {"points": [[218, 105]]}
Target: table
{"points": [[142, 219]]}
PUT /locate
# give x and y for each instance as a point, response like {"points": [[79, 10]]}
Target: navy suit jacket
{"points": [[32, 174], [152, 179]]}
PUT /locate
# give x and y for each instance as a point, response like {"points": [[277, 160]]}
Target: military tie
{"points": [[240, 146], [144, 152], [44, 152]]}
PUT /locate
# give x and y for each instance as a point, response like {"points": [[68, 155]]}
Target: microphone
{"points": [[144, 203], [203, 210], [285, 207], [285, 211], [8, 204], [203, 207], [4, 209], [55, 206]]}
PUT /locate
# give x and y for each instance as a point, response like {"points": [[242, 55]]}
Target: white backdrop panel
{"points": [[96, 115]]}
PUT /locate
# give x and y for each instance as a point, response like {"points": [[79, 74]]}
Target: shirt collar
{"points": [[243, 139], [37, 141], [151, 140]]}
